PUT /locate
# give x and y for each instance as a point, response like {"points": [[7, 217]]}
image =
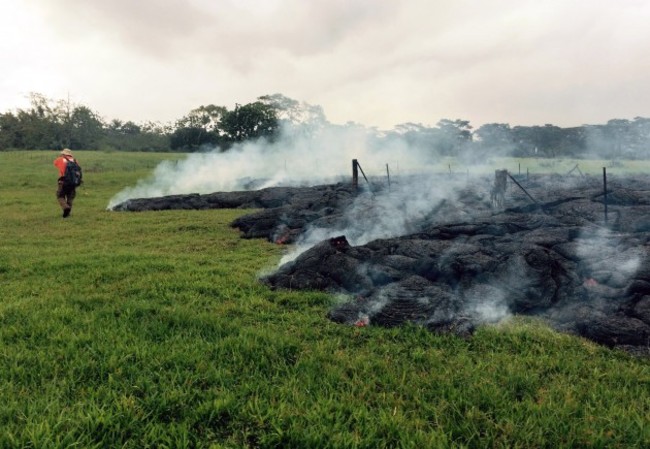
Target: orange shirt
{"points": [[60, 163]]}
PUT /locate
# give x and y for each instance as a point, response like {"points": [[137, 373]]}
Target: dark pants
{"points": [[65, 195]]}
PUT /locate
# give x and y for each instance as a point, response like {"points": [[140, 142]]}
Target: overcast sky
{"points": [[375, 62]]}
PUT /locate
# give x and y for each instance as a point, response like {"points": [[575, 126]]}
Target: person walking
{"points": [[69, 180]]}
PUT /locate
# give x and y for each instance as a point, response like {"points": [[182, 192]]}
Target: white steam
{"points": [[300, 156], [604, 261], [392, 212], [487, 304]]}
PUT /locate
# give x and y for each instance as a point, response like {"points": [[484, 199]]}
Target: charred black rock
{"points": [[557, 259], [548, 251], [285, 211]]}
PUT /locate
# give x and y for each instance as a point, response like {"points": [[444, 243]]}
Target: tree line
{"points": [[49, 124], [617, 139]]}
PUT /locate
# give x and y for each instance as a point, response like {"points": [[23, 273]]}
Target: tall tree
{"points": [[198, 128], [619, 136], [250, 121], [40, 126], [454, 136], [493, 135], [10, 132], [416, 135], [86, 129], [293, 111]]}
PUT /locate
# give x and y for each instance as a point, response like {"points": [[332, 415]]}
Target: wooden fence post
{"points": [[605, 190], [388, 176]]}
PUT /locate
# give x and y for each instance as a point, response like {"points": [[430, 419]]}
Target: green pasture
{"points": [[564, 165], [151, 330], [533, 166]]}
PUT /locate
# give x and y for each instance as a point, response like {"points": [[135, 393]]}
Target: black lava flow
{"points": [[558, 248]]}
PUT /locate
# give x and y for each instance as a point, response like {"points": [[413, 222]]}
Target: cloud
{"points": [[151, 29], [376, 62]]}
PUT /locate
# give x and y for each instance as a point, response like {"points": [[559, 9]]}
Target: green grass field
{"points": [[150, 330]]}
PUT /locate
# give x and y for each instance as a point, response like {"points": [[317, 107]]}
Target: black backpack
{"points": [[72, 176]]}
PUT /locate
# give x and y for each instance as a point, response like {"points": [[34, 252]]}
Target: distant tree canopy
{"points": [[62, 124], [56, 125], [49, 124], [250, 121]]}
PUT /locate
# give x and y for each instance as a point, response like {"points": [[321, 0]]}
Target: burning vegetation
{"points": [[571, 249]]}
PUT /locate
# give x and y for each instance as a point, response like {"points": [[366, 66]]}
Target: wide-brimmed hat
{"points": [[66, 152]]}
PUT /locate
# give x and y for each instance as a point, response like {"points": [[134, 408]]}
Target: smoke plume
{"points": [[393, 211], [302, 155]]}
